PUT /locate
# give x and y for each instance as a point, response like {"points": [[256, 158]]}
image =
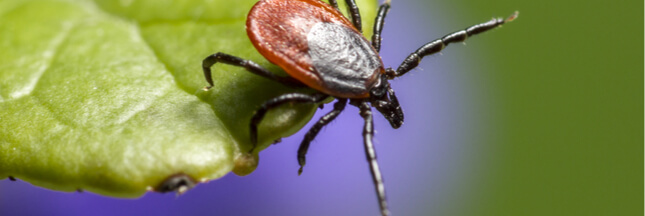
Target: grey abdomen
{"points": [[342, 58]]}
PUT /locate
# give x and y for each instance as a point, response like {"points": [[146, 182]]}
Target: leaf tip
{"points": [[245, 163]]}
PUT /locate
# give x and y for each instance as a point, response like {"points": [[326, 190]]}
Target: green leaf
{"points": [[107, 96]]}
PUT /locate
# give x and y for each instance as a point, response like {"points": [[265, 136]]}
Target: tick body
{"points": [[321, 49], [316, 44]]}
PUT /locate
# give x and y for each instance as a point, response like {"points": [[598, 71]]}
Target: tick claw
{"points": [[512, 16], [179, 183]]}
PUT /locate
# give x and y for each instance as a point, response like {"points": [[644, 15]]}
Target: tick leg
{"points": [[353, 10], [437, 45], [378, 25], [248, 65], [275, 102], [311, 134], [355, 14], [334, 4], [370, 153]]}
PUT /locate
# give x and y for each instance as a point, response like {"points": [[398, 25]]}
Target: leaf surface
{"points": [[107, 96]]}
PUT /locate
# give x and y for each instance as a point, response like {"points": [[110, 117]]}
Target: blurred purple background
{"points": [[428, 164]]}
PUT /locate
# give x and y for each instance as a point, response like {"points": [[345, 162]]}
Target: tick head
{"points": [[382, 98]]}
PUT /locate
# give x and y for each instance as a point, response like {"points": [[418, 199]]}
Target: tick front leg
{"points": [[370, 153], [275, 102], [246, 64], [311, 134], [437, 45]]}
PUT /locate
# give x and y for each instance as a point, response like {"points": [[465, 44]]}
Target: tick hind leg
{"points": [[437, 45], [334, 4], [247, 64], [339, 106], [354, 13], [378, 25], [275, 102]]}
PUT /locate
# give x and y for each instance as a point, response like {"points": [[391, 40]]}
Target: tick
{"points": [[319, 48]]}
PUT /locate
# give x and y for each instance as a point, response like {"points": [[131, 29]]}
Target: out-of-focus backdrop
{"points": [[539, 117]]}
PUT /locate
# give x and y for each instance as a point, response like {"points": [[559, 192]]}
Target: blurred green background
{"points": [[567, 137]]}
